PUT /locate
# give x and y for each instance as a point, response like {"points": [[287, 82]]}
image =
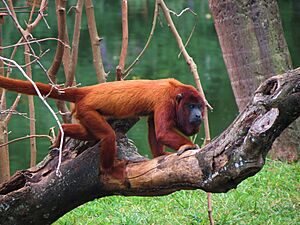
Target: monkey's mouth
{"points": [[193, 129], [196, 122]]}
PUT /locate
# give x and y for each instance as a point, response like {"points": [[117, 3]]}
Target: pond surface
{"points": [[160, 61]]}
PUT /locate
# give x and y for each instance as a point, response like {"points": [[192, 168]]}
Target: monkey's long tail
{"points": [[25, 87]]}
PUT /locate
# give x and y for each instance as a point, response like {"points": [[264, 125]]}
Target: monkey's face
{"points": [[195, 116], [189, 114]]}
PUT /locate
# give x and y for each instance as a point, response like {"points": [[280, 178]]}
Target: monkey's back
{"points": [[129, 98]]}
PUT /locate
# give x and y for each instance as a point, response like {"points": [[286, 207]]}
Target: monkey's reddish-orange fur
{"points": [[122, 99]]}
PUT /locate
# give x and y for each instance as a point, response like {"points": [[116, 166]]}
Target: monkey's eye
{"points": [[191, 106]]}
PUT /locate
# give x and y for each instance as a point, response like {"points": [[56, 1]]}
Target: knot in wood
{"points": [[265, 122]]}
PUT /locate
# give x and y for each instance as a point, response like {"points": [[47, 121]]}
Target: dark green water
{"points": [[159, 61]]}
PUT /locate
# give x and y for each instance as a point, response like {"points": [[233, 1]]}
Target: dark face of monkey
{"points": [[189, 113], [195, 116]]}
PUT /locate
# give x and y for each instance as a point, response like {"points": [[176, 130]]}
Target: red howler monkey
{"points": [[173, 109]]}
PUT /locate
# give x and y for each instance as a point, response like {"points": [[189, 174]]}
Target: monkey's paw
{"points": [[115, 174], [184, 148], [55, 144]]}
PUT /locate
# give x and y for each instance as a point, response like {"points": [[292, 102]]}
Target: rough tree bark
{"points": [[254, 49], [38, 196]]}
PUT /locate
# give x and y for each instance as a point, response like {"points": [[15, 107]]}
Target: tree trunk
{"points": [[254, 49], [38, 196]]}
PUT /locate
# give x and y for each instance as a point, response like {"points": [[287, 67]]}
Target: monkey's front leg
{"points": [[168, 135], [157, 148]]}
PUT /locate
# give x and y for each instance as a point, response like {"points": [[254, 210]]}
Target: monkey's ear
{"points": [[179, 97]]}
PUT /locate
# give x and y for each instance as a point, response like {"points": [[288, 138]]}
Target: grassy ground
{"points": [[270, 197]]}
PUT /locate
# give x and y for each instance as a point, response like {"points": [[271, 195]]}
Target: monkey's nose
{"points": [[197, 119]]}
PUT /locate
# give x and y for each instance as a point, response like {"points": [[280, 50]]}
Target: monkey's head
{"points": [[189, 112]]}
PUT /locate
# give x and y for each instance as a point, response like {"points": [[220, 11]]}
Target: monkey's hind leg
{"points": [[76, 131], [101, 130]]}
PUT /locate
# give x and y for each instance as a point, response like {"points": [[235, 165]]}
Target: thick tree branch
{"points": [[35, 195], [120, 67], [61, 20], [130, 67], [95, 41], [71, 57]]}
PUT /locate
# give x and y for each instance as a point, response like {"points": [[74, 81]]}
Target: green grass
{"points": [[270, 197]]}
